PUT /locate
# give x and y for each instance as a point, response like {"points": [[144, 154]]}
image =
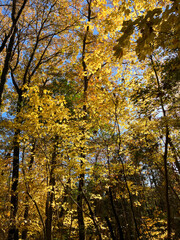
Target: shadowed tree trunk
{"points": [[13, 230], [26, 211], [92, 217], [80, 208], [169, 230], [110, 228], [50, 195], [115, 215], [81, 177], [12, 33]]}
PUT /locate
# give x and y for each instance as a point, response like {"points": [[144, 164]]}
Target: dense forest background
{"points": [[89, 98]]}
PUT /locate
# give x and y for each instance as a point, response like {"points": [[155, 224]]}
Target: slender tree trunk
{"points": [[13, 230], [175, 154], [6, 63], [50, 196], [80, 208], [121, 237], [167, 186], [110, 228], [165, 152], [92, 216], [119, 146], [81, 177], [131, 201], [26, 211]]}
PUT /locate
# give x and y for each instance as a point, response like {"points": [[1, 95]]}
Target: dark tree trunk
{"points": [[116, 216], [131, 202], [6, 63], [26, 211], [92, 216], [49, 214], [81, 180], [167, 186], [13, 231], [80, 208], [50, 196], [167, 138], [110, 228]]}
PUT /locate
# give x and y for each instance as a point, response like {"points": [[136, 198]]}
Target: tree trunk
{"points": [[50, 196], [169, 230], [13, 231], [110, 228], [167, 186], [80, 208], [92, 216], [131, 201], [81, 181], [26, 211], [6, 63], [116, 216]]}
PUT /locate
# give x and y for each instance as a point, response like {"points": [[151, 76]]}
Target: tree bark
{"points": [[169, 230], [121, 237], [92, 216], [6, 63], [110, 228], [50, 195], [167, 185], [13, 230], [81, 177], [80, 208], [26, 211]]}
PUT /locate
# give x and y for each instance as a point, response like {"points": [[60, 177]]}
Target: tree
{"points": [[89, 134]]}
